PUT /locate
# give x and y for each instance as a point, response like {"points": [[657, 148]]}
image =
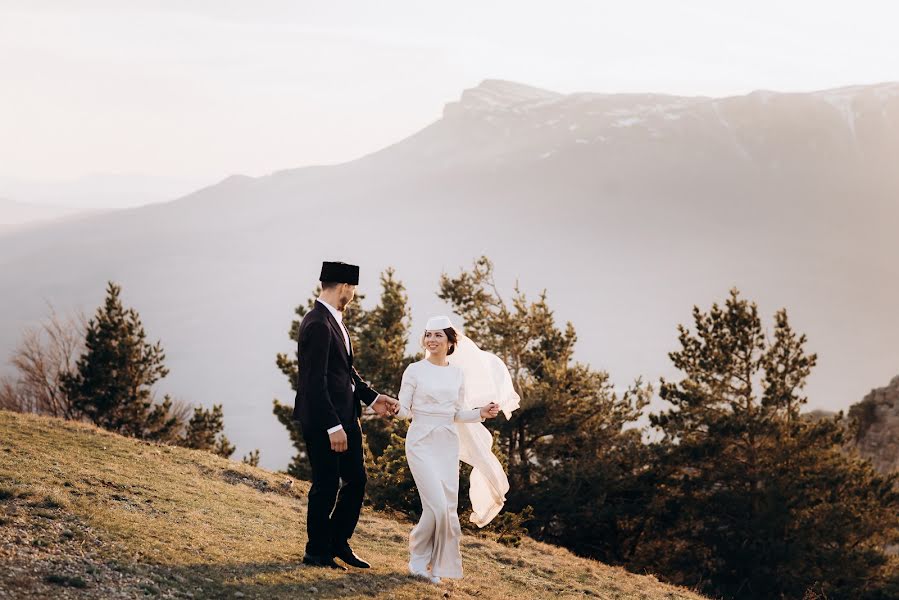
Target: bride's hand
{"points": [[385, 405], [490, 411]]}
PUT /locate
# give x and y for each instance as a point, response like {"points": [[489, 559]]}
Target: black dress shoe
{"points": [[349, 557], [321, 561]]}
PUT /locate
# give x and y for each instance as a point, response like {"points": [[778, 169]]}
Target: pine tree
{"points": [[205, 429], [252, 458], [112, 380], [223, 447], [566, 449], [558, 394], [381, 336], [754, 501]]}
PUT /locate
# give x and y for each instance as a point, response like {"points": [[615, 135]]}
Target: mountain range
{"points": [[16, 214], [629, 209], [101, 191]]}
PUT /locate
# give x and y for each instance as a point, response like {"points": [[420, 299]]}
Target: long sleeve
{"points": [[318, 340], [407, 390], [362, 391], [464, 415]]}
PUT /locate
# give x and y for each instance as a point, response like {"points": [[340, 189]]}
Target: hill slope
{"points": [[89, 514], [14, 213]]}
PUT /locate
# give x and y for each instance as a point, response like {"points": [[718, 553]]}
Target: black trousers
{"points": [[338, 487]]}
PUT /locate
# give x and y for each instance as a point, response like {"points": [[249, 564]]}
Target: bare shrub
{"points": [[45, 352]]}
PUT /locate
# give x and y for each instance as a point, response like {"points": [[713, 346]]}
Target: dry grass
{"points": [[88, 514]]}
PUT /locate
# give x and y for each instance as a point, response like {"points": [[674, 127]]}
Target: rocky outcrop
{"points": [[876, 420]]}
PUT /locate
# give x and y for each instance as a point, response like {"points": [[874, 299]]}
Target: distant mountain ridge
{"points": [[97, 191], [627, 208], [14, 213]]}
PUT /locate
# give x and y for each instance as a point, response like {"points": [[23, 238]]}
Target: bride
{"points": [[448, 395]]}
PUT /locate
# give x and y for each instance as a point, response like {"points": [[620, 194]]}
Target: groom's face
{"points": [[347, 293]]}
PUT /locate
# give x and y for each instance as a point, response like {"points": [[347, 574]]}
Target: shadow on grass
{"points": [[282, 579], [43, 524]]}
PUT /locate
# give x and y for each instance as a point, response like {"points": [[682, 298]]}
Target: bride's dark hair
{"points": [[452, 336]]}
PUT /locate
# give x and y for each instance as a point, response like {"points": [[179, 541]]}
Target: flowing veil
{"points": [[487, 379]]}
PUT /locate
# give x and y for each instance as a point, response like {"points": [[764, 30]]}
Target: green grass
{"points": [[111, 516]]}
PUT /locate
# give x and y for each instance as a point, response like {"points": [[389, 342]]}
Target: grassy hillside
{"points": [[88, 514]]}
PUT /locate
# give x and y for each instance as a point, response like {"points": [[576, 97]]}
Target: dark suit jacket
{"points": [[325, 380]]}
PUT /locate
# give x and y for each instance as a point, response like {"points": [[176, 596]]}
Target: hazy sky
{"points": [[203, 89]]}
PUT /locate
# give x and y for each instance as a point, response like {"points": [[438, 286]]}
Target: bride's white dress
{"points": [[434, 398]]}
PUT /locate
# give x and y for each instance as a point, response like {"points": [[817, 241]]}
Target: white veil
{"points": [[487, 379]]}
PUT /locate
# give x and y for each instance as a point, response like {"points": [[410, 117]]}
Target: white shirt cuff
{"points": [[335, 428]]}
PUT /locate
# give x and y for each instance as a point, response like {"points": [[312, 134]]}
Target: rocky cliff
{"points": [[877, 422]]}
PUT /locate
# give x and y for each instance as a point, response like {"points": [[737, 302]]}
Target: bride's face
{"points": [[436, 342]]}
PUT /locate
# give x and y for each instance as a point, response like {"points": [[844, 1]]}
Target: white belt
{"points": [[423, 418]]}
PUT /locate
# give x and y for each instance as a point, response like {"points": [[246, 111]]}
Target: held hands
{"points": [[490, 411], [385, 406]]}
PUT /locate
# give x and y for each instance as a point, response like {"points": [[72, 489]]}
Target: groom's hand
{"points": [[385, 405], [338, 440]]}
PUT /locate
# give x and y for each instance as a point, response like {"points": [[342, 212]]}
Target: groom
{"points": [[329, 401]]}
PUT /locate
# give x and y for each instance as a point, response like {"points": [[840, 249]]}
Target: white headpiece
{"points": [[438, 322]]}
